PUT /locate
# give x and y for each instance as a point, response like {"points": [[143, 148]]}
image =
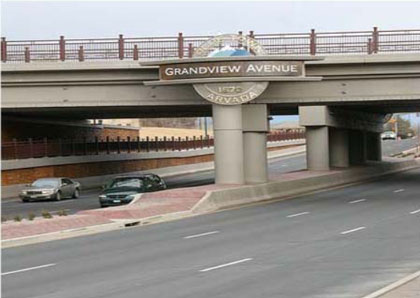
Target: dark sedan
{"points": [[124, 189]]}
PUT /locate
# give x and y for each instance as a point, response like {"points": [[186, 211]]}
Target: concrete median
{"points": [[298, 183]]}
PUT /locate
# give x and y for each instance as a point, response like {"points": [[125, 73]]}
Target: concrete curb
{"points": [[227, 198], [393, 286]]}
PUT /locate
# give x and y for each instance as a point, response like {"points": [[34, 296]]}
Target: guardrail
{"points": [[156, 48], [69, 147]]}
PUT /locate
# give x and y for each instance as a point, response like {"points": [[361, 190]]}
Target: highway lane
{"points": [[345, 242], [390, 147], [89, 199]]}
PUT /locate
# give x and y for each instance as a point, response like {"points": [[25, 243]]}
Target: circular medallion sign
{"points": [[230, 93]]}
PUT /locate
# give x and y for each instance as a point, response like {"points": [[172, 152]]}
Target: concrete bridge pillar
{"points": [[374, 146], [358, 148], [339, 147], [255, 128], [228, 144], [317, 148]]}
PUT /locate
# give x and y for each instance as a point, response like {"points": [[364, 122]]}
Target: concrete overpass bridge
{"points": [[353, 80]]}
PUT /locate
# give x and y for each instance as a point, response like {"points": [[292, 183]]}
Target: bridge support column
{"points": [[374, 146], [255, 128], [228, 144], [339, 147], [314, 118], [358, 148], [317, 148]]}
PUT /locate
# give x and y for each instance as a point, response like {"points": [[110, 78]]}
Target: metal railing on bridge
{"points": [[156, 48], [31, 148]]}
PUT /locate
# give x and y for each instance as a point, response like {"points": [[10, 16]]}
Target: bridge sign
{"points": [[231, 69]]}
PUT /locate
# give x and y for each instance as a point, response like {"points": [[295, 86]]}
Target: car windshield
{"points": [[127, 182], [45, 183]]}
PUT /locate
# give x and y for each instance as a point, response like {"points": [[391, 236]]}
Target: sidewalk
{"points": [[408, 290], [407, 287]]}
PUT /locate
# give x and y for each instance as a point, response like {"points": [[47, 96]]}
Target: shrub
{"points": [[4, 218], [46, 214], [62, 212], [31, 216], [17, 218]]}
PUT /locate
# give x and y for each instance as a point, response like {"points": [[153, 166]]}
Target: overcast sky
{"points": [[47, 19]]}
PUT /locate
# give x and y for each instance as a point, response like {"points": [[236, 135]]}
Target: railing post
{"points": [[180, 46], [3, 49], [96, 146], [201, 142], [138, 144], [107, 145], [156, 144], [45, 147], [194, 143], [15, 153], [190, 50], [164, 144], [60, 147], [147, 144], [81, 54], [187, 145], [72, 146], [179, 144], [121, 47], [375, 40], [27, 55], [31, 148], [128, 144], [62, 45], [240, 44], [313, 42], [84, 146], [118, 145], [369, 46], [173, 143], [135, 53]]}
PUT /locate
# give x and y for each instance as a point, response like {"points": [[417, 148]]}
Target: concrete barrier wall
{"points": [[220, 199]]}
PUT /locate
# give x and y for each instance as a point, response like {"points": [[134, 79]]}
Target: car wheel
{"points": [[76, 193], [58, 196], [25, 200]]}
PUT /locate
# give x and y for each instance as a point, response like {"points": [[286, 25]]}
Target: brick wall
{"points": [[23, 176], [22, 129]]}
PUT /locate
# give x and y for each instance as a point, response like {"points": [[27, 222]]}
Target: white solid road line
{"points": [[357, 201], [352, 230], [202, 234], [399, 190], [28, 269], [225, 265], [297, 214], [415, 211]]}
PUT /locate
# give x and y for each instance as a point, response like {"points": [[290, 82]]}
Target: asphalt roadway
{"points": [[346, 242], [89, 198]]}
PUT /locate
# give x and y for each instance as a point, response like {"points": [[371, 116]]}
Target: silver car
{"points": [[50, 188]]}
